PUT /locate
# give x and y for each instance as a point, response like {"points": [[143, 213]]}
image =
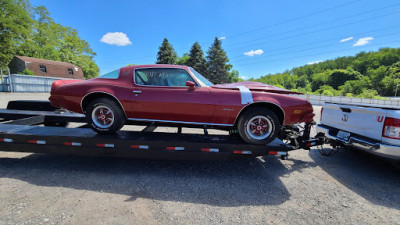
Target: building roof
{"points": [[52, 68], [45, 61]]}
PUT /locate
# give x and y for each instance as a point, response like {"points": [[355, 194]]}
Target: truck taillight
{"points": [[322, 109], [391, 128]]}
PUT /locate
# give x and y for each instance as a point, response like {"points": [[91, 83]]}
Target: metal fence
{"points": [[4, 83], [321, 99], [26, 83]]}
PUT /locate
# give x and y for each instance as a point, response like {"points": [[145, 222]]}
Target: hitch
{"points": [[306, 141]]}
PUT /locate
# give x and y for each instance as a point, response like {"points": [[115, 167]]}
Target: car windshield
{"points": [[202, 80], [111, 75]]}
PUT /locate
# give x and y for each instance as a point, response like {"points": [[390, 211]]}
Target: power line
{"points": [[293, 36], [302, 56], [307, 49], [302, 34], [328, 22], [296, 18], [330, 39], [276, 24], [321, 30]]}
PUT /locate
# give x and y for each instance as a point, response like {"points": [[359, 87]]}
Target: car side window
{"points": [[111, 75], [171, 77], [141, 78]]}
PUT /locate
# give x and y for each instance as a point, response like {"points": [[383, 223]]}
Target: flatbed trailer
{"points": [[23, 131]]}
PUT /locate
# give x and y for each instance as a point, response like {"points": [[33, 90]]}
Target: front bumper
{"points": [[362, 143], [55, 100]]}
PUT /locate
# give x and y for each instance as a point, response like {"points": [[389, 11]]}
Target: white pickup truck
{"points": [[371, 128]]}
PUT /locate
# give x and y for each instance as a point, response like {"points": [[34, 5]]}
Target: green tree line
{"points": [[30, 31], [215, 66], [367, 74]]}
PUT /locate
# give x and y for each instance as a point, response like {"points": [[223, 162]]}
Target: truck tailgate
{"points": [[361, 120]]}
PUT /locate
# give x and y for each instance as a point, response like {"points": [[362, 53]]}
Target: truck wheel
{"points": [[258, 126], [105, 116]]}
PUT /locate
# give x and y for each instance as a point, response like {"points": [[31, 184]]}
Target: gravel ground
{"points": [[347, 188]]}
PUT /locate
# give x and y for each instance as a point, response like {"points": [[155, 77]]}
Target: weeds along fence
{"points": [[26, 83], [321, 99]]}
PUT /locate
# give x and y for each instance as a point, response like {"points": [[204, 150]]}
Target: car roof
{"points": [[155, 66]]}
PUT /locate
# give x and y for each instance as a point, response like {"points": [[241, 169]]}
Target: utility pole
{"points": [[397, 85], [10, 81], [2, 81]]}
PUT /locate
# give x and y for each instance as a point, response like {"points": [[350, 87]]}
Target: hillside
{"points": [[366, 74]]}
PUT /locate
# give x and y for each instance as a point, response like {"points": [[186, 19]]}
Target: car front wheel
{"points": [[105, 116], [258, 126]]}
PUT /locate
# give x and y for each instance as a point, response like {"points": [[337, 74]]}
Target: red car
{"points": [[180, 95]]}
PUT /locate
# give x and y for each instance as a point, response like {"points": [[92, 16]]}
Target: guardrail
{"points": [[26, 83], [321, 99]]}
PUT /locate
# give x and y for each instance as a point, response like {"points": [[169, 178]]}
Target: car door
{"points": [[162, 94]]}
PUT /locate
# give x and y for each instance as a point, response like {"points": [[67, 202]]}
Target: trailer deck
{"points": [[22, 131], [84, 141]]}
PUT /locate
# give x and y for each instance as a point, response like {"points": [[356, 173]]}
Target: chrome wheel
{"points": [[102, 116], [259, 127]]}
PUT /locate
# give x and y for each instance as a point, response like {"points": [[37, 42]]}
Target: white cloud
{"points": [[346, 39], [314, 62], [222, 38], [243, 77], [116, 38], [253, 53], [363, 41]]}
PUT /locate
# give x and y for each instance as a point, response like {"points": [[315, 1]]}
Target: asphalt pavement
{"points": [[308, 188]]}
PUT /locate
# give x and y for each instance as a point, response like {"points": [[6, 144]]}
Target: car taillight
{"points": [[391, 128]]}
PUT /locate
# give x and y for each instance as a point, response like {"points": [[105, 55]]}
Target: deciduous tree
{"points": [[183, 60], [30, 31], [15, 25]]}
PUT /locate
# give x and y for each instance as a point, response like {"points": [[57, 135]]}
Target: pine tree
{"points": [[217, 67], [197, 60], [166, 53]]}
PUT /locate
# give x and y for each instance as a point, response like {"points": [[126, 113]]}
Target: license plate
{"points": [[343, 135]]}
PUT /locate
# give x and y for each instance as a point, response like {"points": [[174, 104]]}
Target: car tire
{"points": [[258, 125], [105, 116]]}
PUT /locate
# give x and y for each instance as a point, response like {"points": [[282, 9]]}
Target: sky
{"points": [[260, 36]]}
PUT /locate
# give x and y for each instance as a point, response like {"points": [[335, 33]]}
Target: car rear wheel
{"points": [[105, 116], [258, 126]]}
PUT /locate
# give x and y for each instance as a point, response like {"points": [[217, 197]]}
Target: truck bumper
{"points": [[362, 143]]}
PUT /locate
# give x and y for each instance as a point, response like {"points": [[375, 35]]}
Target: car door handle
{"points": [[137, 92]]}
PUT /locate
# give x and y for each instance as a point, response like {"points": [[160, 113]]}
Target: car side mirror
{"points": [[190, 84]]}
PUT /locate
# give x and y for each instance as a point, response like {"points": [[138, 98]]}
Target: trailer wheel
{"points": [[258, 126], [105, 116]]}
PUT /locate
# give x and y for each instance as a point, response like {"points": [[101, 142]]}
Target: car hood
{"points": [[255, 86]]}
